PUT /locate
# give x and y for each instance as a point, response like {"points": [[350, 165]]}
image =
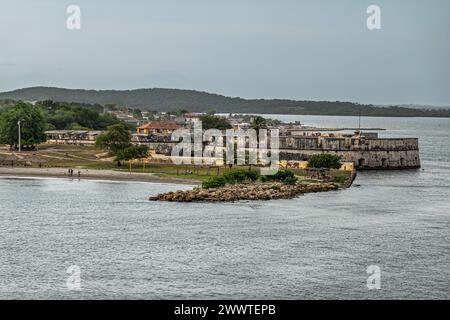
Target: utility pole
{"points": [[20, 143], [359, 126]]}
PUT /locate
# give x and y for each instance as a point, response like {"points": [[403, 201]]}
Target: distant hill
{"points": [[418, 106], [174, 99]]}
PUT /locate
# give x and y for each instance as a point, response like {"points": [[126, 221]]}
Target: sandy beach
{"points": [[93, 175]]}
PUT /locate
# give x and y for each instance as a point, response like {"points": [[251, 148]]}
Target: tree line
{"points": [[158, 99], [48, 115]]}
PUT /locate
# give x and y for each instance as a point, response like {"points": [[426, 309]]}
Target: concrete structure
{"points": [[359, 150], [366, 152], [79, 137]]}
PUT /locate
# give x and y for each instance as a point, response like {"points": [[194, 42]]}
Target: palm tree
{"points": [[257, 124]]}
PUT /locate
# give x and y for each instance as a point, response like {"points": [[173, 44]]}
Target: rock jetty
{"points": [[251, 191]]}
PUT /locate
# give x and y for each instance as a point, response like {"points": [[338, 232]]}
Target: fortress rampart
{"points": [[365, 153]]}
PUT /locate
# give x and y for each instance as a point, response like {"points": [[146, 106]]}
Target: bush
{"points": [[279, 176], [340, 179], [230, 177], [283, 175], [214, 182], [240, 176], [290, 181], [132, 152], [324, 160]]}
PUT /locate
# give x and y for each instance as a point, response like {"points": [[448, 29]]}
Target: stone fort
{"points": [[365, 150]]}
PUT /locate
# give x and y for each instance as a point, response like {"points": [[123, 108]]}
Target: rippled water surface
{"points": [[315, 246]]}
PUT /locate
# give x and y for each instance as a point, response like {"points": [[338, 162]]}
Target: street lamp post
{"points": [[20, 143]]}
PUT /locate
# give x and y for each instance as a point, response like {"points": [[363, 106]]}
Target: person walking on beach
{"points": [[79, 174]]}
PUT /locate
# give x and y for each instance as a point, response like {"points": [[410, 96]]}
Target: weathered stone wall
{"points": [[364, 153], [377, 159]]}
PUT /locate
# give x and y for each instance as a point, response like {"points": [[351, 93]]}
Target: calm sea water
{"points": [[313, 247]]}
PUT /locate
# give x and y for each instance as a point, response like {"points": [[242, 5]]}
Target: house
{"points": [[158, 127]]}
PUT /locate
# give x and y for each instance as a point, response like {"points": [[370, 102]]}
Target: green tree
{"points": [[32, 125], [115, 140], [77, 126], [182, 112], [214, 122], [324, 160], [137, 113], [65, 115], [259, 123], [132, 152]]}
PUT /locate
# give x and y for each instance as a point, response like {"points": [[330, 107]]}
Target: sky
{"points": [[305, 50]]}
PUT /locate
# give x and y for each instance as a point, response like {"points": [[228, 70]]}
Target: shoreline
{"points": [[93, 174]]}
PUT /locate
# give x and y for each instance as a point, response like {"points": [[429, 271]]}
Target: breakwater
{"points": [[250, 191]]}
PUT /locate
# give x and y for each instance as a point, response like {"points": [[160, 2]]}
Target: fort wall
{"points": [[364, 153]]}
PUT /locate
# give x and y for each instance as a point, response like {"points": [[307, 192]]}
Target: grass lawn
{"points": [[90, 157]]}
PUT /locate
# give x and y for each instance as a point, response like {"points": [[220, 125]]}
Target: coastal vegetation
{"points": [[114, 140], [324, 160], [172, 100], [238, 184], [132, 152], [32, 124], [75, 116], [231, 177], [249, 176], [210, 121], [285, 176], [49, 115], [117, 142], [249, 191]]}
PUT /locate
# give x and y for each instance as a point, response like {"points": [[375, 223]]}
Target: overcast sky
{"points": [[315, 50]]}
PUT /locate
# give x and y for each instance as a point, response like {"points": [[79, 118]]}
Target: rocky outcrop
{"points": [[253, 191]]}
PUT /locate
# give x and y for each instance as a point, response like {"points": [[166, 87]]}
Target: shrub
{"points": [[290, 181], [252, 175], [230, 177], [132, 152], [214, 182], [283, 175], [324, 160], [279, 176], [239, 176]]}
